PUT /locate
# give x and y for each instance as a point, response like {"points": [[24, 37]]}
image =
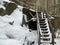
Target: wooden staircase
{"points": [[44, 33]]}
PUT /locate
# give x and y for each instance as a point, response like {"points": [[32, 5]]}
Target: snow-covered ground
{"points": [[15, 34], [57, 40], [9, 42]]}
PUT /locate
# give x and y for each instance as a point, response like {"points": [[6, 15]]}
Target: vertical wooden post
{"points": [[54, 7], [38, 27]]}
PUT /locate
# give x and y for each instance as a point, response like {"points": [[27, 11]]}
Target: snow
{"points": [[1, 4], [2, 7], [17, 17], [33, 37], [1, 1], [57, 40], [7, 1], [13, 34], [3, 36], [9, 42]]}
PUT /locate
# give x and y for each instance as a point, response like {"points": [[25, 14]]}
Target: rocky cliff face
{"points": [[7, 8]]}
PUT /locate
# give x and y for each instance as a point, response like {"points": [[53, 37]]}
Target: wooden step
{"points": [[42, 23], [44, 29], [45, 35], [44, 32], [43, 26], [42, 19], [44, 39]]}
